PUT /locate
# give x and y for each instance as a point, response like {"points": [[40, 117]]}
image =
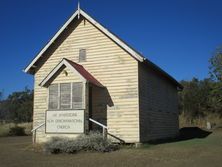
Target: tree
{"points": [[215, 69], [190, 98], [194, 99], [216, 65], [215, 98], [20, 105], [17, 107]]}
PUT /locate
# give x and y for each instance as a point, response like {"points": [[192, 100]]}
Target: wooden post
{"points": [[34, 137], [104, 133]]}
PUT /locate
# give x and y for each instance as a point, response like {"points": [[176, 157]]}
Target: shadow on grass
{"points": [[186, 133]]}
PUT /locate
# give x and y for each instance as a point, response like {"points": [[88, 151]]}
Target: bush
{"points": [[17, 131], [92, 142]]}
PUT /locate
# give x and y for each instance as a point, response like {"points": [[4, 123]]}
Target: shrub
{"points": [[92, 142], [17, 131]]}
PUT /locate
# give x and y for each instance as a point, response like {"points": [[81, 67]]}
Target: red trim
{"points": [[84, 73]]}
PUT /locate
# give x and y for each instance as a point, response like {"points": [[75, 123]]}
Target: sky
{"points": [[178, 35]]}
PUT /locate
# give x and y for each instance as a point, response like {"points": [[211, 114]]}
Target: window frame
{"points": [[71, 102], [60, 98], [82, 49], [48, 94]]}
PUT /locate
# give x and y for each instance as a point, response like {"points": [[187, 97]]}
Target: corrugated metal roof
{"points": [[75, 67], [89, 77]]}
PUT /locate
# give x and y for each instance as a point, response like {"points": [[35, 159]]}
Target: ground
{"points": [[203, 152]]}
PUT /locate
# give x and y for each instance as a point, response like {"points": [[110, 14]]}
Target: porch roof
{"points": [[76, 68]]}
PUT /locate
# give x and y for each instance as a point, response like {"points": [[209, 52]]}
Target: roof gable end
{"points": [[79, 70], [122, 44]]}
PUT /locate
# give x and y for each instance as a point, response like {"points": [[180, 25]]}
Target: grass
{"points": [[214, 119], [199, 152], [4, 128]]}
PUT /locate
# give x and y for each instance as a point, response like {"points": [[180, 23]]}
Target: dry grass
{"points": [[214, 119], [4, 128], [17, 152]]}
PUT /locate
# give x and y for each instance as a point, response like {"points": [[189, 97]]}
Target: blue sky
{"points": [[177, 35]]}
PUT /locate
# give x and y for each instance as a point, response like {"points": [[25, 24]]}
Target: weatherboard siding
{"points": [[158, 106], [109, 64]]}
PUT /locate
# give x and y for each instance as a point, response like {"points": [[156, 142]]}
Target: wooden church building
{"points": [[86, 78]]}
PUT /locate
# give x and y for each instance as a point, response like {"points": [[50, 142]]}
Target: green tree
{"points": [[216, 65], [17, 107], [215, 69], [20, 106], [189, 98], [194, 99], [215, 98]]}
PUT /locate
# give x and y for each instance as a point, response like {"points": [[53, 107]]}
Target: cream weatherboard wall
{"points": [[109, 64]]}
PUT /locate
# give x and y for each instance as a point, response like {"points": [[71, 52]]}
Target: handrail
{"points": [[105, 128], [96, 122], [34, 129]]}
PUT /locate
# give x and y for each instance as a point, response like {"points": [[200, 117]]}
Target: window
{"points": [[82, 55], [66, 96], [77, 97], [53, 96]]}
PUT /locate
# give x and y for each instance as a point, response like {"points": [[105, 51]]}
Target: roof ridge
{"points": [[135, 54], [116, 39]]}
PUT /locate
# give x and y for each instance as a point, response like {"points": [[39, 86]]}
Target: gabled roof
{"points": [[132, 52], [76, 68], [116, 39]]}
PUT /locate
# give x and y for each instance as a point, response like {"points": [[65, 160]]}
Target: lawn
{"points": [[204, 152]]}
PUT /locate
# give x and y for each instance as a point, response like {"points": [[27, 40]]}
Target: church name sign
{"points": [[69, 121]]}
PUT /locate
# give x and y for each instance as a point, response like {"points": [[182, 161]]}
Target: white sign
{"points": [[69, 121]]}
